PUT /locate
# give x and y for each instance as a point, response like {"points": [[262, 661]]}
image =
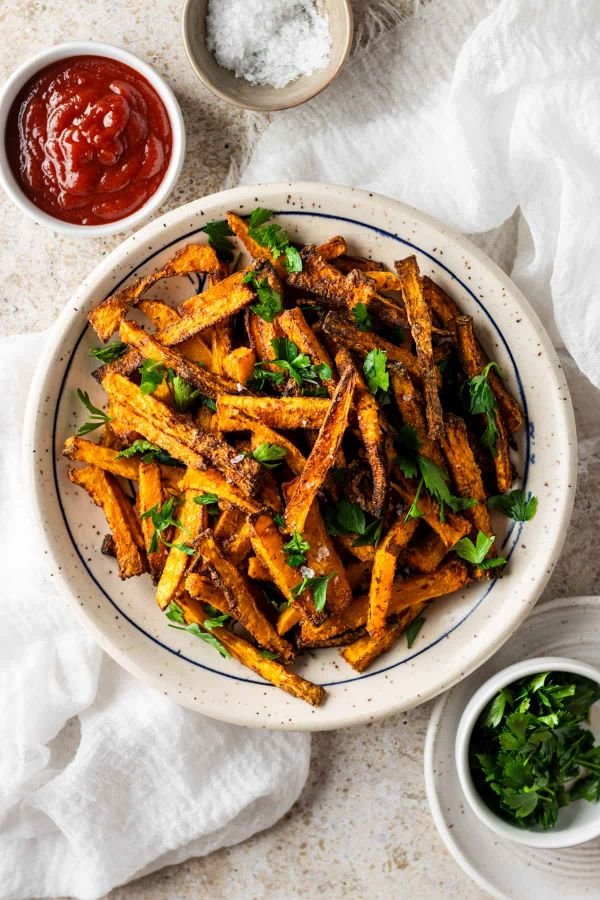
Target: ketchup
{"points": [[88, 140]]}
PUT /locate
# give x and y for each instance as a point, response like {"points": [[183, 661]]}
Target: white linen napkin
{"points": [[468, 110], [101, 778]]}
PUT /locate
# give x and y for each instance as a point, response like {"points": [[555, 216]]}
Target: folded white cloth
{"points": [[101, 778], [468, 110]]}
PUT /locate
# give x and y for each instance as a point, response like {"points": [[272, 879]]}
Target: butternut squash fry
{"points": [[150, 493], [276, 412], [384, 570], [193, 520]]}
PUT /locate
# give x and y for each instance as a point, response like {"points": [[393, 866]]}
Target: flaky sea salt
{"points": [[268, 41], [307, 572]]}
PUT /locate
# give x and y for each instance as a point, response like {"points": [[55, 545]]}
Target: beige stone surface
{"points": [[362, 827]]}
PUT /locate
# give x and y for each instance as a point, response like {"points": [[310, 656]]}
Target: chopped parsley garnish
{"points": [[268, 455], [296, 550], [162, 517], [211, 501], [517, 505], [274, 238], [149, 452], [182, 393], [413, 630], [529, 755], [269, 654], [269, 300], [298, 365], [97, 416], [318, 586], [175, 613], [482, 400], [376, 373], [414, 511], [362, 317], [279, 520], [219, 233], [152, 373], [476, 553], [109, 352], [349, 518]]}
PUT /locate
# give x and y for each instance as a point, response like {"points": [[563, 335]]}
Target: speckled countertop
{"points": [[362, 827]]}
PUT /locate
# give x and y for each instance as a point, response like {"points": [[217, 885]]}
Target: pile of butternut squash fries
{"points": [[301, 454]]}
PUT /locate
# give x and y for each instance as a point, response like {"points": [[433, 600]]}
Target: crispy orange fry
{"points": [[220, 345], [276, 412], [256, 251], [105, 458], [257, 571], [408, 400], [322, 455], [240, 598], [201, 588], [150, 493], [465, 472], [384, 570], [420, 326], [426, 554], [239, 365], [295, 327], [162, 316], [193, 520], [362, 652], [269, 669], [362, 342], [451, 530], [108, 495], [210, 481], [326, 281], [260, 335], [106, 318]]}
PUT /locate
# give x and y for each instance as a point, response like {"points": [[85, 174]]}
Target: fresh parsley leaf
{"points": [[495, 710], [262, 376], [210, 403], [318, 586], [376, 373], [97, 416], [362, 317], [152, 373], [268, 455], [109, 352], [349, 518], [174, 612], [269, 301], [296, 550], [370, 536], [274, 238], [476, 553], [215, 621], [414, 512], [413, 630], [211, 501], [297, 365], [149, 452], [162, 517], [481, 400], [219, 233], [517, 505], [182, 393], [279, 520], [205, 636], [269, 654]]}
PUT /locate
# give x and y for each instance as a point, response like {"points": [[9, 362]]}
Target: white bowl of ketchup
{"points": [[92, 139]]}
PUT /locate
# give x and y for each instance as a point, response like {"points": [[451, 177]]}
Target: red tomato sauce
{"points": [[88, 140]]}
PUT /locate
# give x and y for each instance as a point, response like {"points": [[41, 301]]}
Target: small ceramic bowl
{"points": [[579, 821], [91, 48], [262, 97]]}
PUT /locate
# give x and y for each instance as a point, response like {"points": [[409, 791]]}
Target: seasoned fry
{"points": [[408, 400], [451, 530], [210, 481], [162, 316], [362, 342], [426, 554], [105, 458], [193, 520], [150, 493], [295, 327], [220, 345], [257, 570], [471, 362], [260, 335], [321, 278], [208, 383], [240, 598], [175, 434], [322, 455], [256, 251], [280, 412], [106, 318], [239, 365], [465, 472], [420, 326], [384, 570], [127, 536], [332, 247], [201, 588], [269, 669], [362, 652]]}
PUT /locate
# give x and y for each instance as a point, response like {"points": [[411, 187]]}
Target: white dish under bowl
{"points": [[91, 48], [460, 632], [578, 822]]}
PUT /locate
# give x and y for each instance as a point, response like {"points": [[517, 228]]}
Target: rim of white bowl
{"points": [[577, 833], [91, 48]]}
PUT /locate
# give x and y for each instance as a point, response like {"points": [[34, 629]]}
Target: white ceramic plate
{"points": [[502, 868], [459, 633]]}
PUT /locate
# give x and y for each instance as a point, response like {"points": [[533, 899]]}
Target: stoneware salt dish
{"points": [[263, 97], [462, 630]]}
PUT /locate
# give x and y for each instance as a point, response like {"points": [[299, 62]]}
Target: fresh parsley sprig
{"points": [[274, 238], [109, 352], [269, 303], [362, 317], [376, 373], [517, 505], [149, 452], [268, 455], [296, 550], [152, 373], [97, 416], [182, 393], [175, 613], [413, 630], [219, 233], [318, 585], [529, 755], [349, 518], [475, 553], [298, 365], [211, 501], [163, 517], [481, 400]]}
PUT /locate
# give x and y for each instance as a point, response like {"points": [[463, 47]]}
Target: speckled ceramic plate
{"points": [[460, 633], [502, 868]]}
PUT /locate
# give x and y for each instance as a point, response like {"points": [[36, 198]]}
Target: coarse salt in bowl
{"points": [[286, 51]]}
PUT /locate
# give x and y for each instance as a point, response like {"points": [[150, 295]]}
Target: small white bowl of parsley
{"points": [[528, 752]]}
